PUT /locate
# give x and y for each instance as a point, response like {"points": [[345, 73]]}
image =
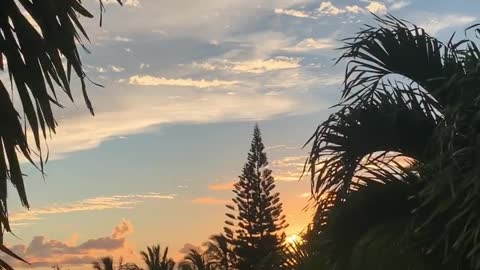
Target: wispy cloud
{"points": [[288, 168], [396, 5], [209, 201], [257, 66], [293, 13], [130, 3], [434, 24], [222, 186], [147, 80], [91, 204], [311, 44]]}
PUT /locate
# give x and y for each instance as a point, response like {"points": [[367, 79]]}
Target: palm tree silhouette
{"points": [[105, 263], [155, 261], [196, 261], [220, 254], [394, 170], [40, 42]]}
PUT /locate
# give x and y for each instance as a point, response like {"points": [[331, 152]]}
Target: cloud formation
{"points": [[91, 204], [330, 9], [311, 44], [43, 252], [147, 80], [434, 24], [209, 201], [288, 168], [377, 7], [257, 66], [293, 13], [222, 186]]}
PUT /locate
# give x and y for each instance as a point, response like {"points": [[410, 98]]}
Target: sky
{"points": [[184, 84]]}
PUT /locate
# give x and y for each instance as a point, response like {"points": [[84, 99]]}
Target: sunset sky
{"points": [[185, 81]]}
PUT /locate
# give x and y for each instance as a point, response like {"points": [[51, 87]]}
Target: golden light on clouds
{"points": [[222, 186], [147, 80], [210, 201]]}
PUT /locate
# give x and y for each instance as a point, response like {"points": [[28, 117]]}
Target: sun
{"points": [[294, 238]]}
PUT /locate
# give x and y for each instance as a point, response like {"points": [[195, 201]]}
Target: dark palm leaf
{"points": [[358, 137], [39, 45]]}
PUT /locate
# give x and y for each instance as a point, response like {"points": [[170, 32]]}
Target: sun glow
{"points": [[294, 238]]}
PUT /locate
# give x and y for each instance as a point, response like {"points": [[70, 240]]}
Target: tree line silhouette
{"points": [[394, 170]]}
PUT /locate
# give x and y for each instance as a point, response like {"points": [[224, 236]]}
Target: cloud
{"points": [[209, 201], [354, 9], [311, 44], [293, 13], [377, 7], [256, 66], [305, 195], [222, 186], [146, 80], [91, 204], [126, 112], [399, 4], [288, 168], [122, 229], [281, 147], [116, 68], [435, 24], [130, 3], [43, 252], [330, 9]]}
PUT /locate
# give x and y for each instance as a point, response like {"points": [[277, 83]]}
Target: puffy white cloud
{"points": [[328, 8], [377, 7]]}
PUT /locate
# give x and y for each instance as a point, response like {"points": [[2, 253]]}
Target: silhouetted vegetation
{"points": [[394, 170], [155, 260], [255, 228], [39, 43]]}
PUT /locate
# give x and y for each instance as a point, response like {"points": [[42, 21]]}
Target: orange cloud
{"points": [[222, 186], [209, 201], [43, 252]]}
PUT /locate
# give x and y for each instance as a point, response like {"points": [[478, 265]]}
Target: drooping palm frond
{"points": [[429, 112], [219, 252], [296, 256], [39, 43], [196, 260], [401, 49], [452, 196], [358, 137], [376, 217], [39, 46]]}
